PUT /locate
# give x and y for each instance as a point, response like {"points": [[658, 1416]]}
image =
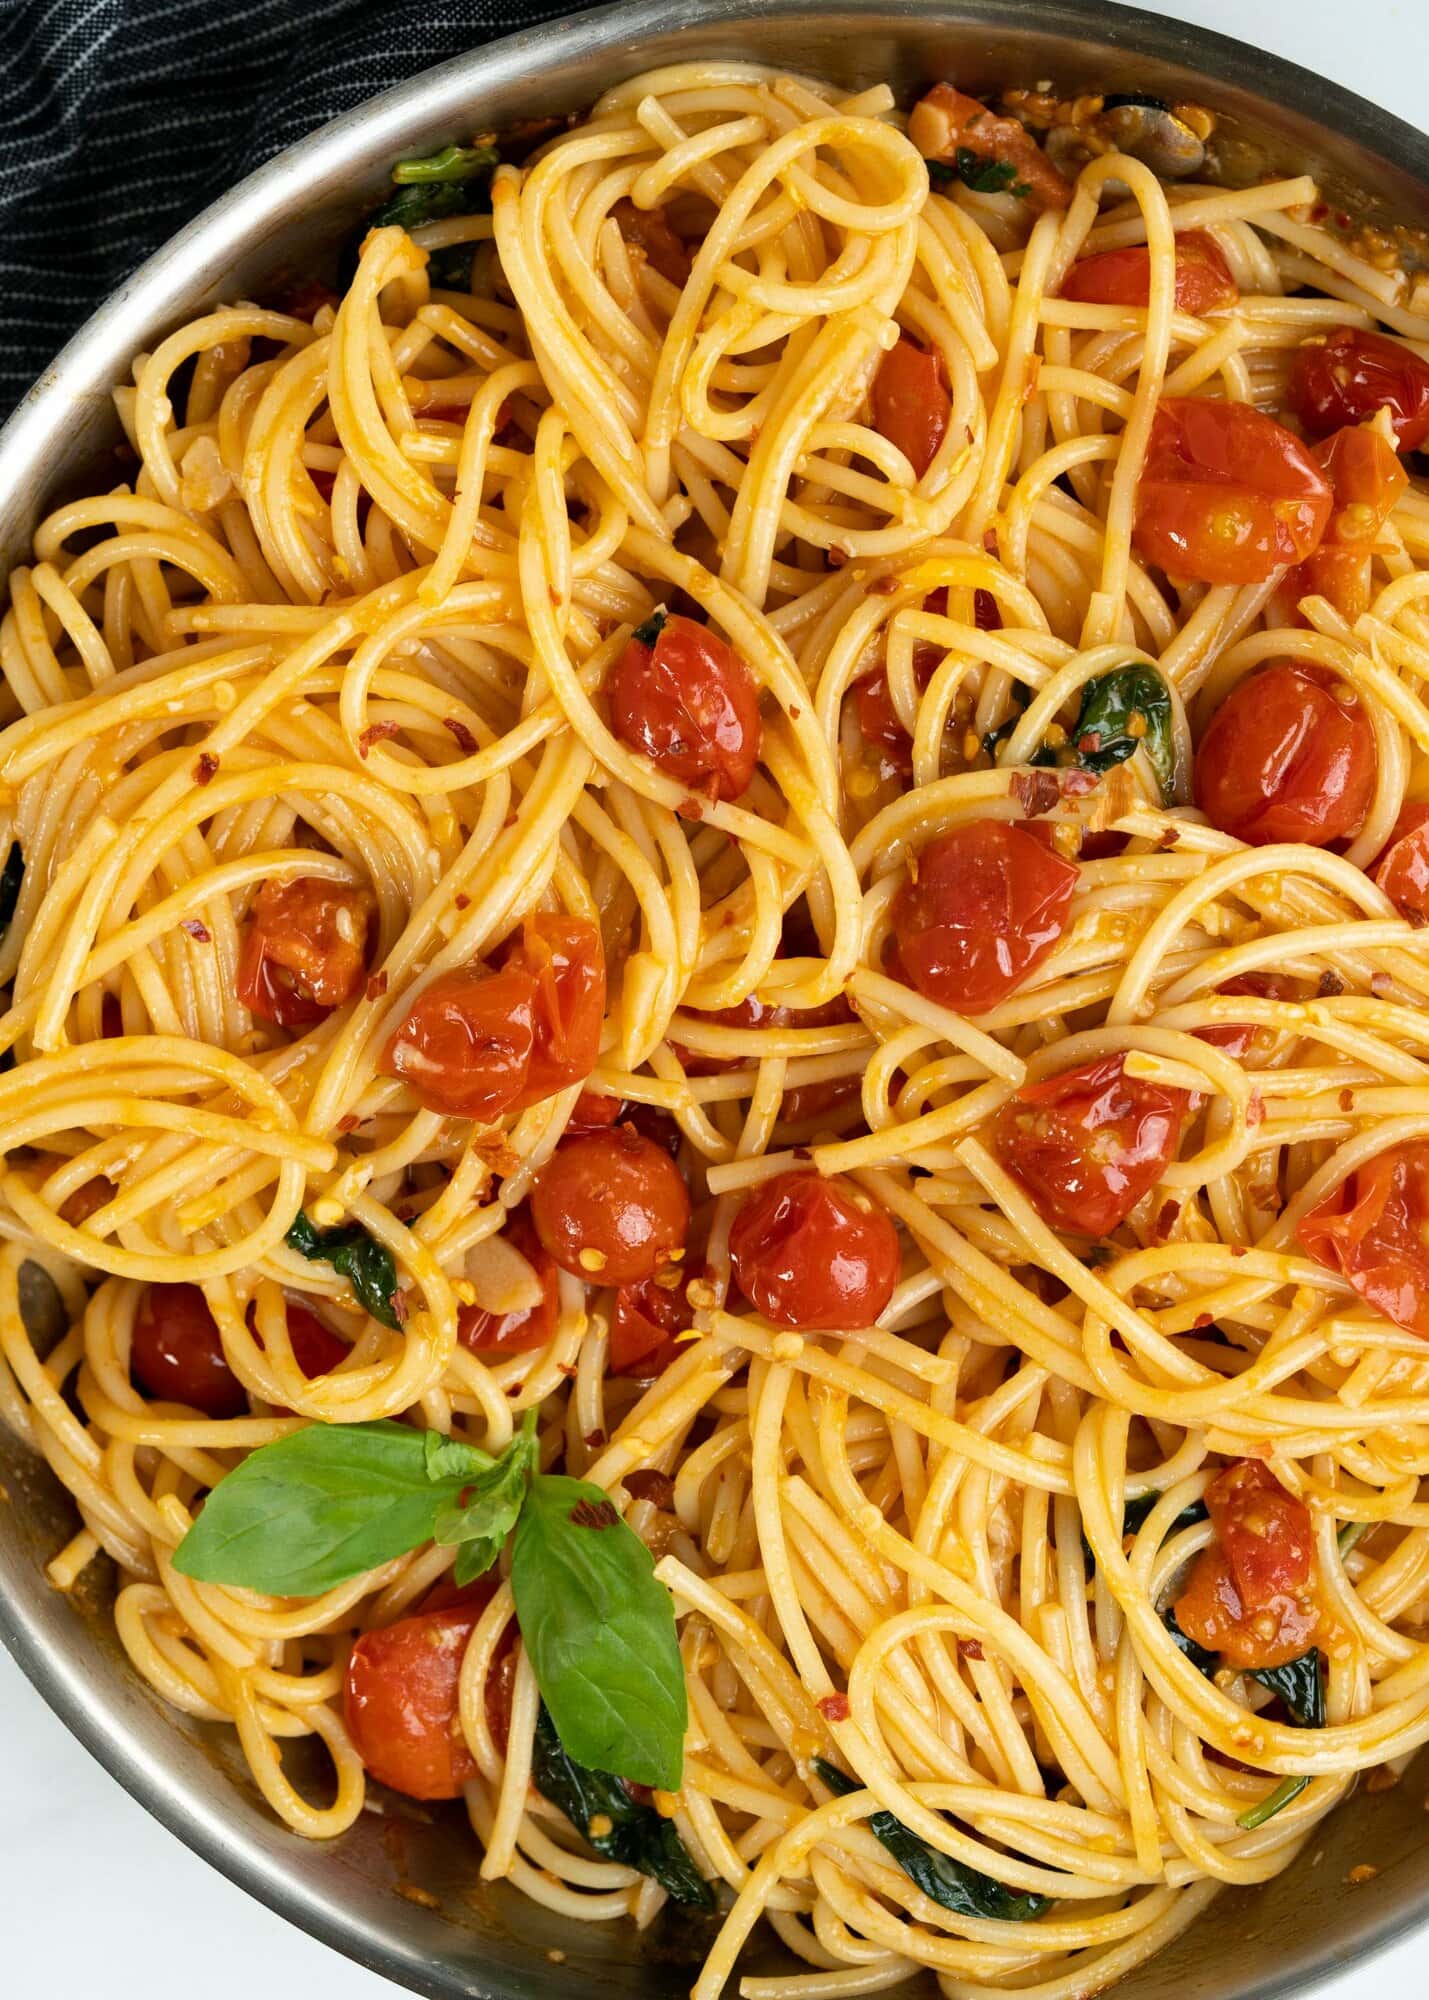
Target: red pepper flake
{"points": [[835, 557], [205, 768], [1076, 784], [197, 931], [1165, 1221], [593, 1514], [1347, 1100], [1201, 1321], [1380, 984], [971, 1649], [690, 809], [568, 1369], [349, 1122], [882, 586], [462, 902], [377, 986], [1035, 791], [834, 1708], [466, 742], [595, 1439], [376, 732], [1331, 986], [1169, 837], [400, 1305], [656, 1487]]}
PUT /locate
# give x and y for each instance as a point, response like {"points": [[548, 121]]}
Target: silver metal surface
{"points": [[456, 1937]]}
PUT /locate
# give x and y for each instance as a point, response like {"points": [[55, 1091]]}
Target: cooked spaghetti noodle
{"points": [[354, 621]]}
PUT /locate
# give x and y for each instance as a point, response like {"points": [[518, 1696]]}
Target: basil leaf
{"points": [[453, 1458], [486, 1512], [475, 1558], [312, 1509], [1204, 1662], [449, 269], [599, 1632], [638, 1836], [654, 625], [1300, 1685], [431, 201], [985, 176], [452, 163], [1271, 1804], [1127, 710], [950, 1884], [364, 1262], [12, 877], [1135, 1513]]}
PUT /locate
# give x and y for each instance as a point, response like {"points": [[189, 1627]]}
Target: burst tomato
{"points": [[947, 122], [1371, 1229], [749, 1013], [565, 961], [177, 1355], [1227, 495], [646, 1319], [1089, 1143], [689, 703], [305, 951], [612, 1207], [1289, 755], [911, 405], [483, 1332], [1402, 870], [1123, 277], [810, 1252], [1236, 1037], [878, 720], [1347, 376], [1367, 480], [1250, 1596], [986, 905]]}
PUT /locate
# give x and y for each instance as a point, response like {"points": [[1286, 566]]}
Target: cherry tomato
{"points": [[316, 1348], [612, 1207], [811, 1252], [177, 1355], [1350, 374], [1089, 1143], [1249, 1597], [911, 404], [1402, 870], [565, 961], [646, 1319], [1371, 1230], [483, 1332], [984, 907], [877, 717], [1367, 480], [401, 1702], [648, 231], [947, 122], [1123, 277], [594, 1110], [464, 1048], [1227, 495], [305, 951], [1289, 755], [749, 1013], [690, 704], [111, 1016], [1237, 1037]]}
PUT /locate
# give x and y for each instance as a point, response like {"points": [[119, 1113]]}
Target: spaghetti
{"points": [[741, 825]]}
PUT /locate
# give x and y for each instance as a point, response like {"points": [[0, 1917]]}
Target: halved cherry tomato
{"points": [[305, 951], [811, 1252], [483, 1332], [946, 122], [1402, 870], [566, 963], [1089, 1143], [1350, 374], [177, 1355], [911, 404], [1123, 277], [612, 1207], [1371, 1229], [646, 1319], [648, 231], [1237, 1037], [1367, 480], [1289, 755], [1249, 1596], [878, 720], [690, 704], [985, 906], [1227, 495]]}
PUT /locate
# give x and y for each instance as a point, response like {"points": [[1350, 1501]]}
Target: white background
{"points": [[82, 1865]]}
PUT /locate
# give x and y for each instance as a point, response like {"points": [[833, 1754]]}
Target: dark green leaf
{"points": [[639, 1837], [1122, 712], [1135, 1513], [452, 163], [364, 1262], [12, 877], [433, 201], [449, 269], [599, 1632], [474, 1559], [1300, 1685], [1273, 1802], [950, 1884], [654, 625], [1204, 1662], [985, 176]]}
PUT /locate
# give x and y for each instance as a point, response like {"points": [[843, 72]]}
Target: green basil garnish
{"points": [[452, 163], [364, 1262], [976, 171], [1204, 1662], [12, 877], [636, 1835], [599, 1632], [967, 1892], [1300, 1683], [654, 625], [1134, 1515], [478, 1521], [1126, 710]]}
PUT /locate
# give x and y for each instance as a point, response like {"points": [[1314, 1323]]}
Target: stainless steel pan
{"points": [[399, 1892]]}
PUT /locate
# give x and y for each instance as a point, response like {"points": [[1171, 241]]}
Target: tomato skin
{"points": [[810, 1252], [1348, 376], [177, 1355], [1123, 277], [565, 961], [1371, 1230], [1249, 1597], [1227, 495], [1237, 1037], [646, 1319], [401, 1702], [611, 1207], [749, 1013], [594, 1110], [1402, 870], [911, 404], [878, 720], [464, 1048], [316, 1348], [305, 951], [1367, 480], [946, 120], [483, 1332], [1289, 755], [1088, 1143], [987, 904], [690, 704]]}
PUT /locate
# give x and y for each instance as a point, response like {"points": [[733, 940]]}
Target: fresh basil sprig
{"points": [[364, 1262], [452, 163], [950, 1884], [483, 1514], [634, 1833], [1127, 710], [12, 877]]}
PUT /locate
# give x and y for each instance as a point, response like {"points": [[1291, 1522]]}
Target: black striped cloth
{"points": [[120, 119]]}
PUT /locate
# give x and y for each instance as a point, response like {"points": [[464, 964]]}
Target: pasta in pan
{"points": [[731, 864]]}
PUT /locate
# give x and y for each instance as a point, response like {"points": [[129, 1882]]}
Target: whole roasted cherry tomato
{"points": [[305, 951], [646, 1319], [1402, 870], [483, 1332], [947, 122], [316, 1348], [401, 1704], [1088, 1143], [1237, 1037], [1345, 377], [1227, 495], [565, 961], [1250, 1597], [688, 702], [811, 1252], [911, 404], [1289, 755], [177, 1355], [750, 1013], [1371, 1229], [594, 1111], [1123, 277], [878, 719], [984, 907], [612, 1207]]}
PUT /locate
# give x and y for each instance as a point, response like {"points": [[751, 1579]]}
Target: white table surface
{"points": [[98, 1899]]}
